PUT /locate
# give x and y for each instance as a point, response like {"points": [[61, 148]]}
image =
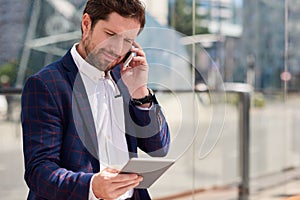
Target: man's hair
{"points": [[100, 9]]}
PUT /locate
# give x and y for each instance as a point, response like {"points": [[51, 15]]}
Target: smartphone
{"points": [[128, 57]]}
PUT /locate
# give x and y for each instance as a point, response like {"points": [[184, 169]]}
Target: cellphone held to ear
{"points": [[128, 57]]}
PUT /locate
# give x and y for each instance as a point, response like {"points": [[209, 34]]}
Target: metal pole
{"points": [[286, 45], [194, 83], [244, 142], [244, 92]]}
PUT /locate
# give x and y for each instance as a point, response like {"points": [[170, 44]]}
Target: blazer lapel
{"points": [[81, 109]]}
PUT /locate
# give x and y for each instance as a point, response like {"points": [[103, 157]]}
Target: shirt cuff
{"points": [[91, 193], [143, 108]]}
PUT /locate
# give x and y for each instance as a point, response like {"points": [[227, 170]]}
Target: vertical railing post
{"points": [[244, 144], [244, 93]]}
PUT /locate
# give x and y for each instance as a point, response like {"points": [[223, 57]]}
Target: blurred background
{"points": [[227, 73]]}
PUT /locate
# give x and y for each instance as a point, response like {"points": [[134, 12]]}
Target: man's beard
{"points": [[101, 58]]}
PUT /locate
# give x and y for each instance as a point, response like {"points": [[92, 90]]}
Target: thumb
{"points": [[111, 170]]}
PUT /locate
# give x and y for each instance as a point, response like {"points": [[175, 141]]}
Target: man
{"points": [[88, 112]]}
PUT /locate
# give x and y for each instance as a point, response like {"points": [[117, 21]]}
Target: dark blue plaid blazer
{"points": [[58, 164]]}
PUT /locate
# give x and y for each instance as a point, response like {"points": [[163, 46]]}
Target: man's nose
{"points": [[117, 45]]}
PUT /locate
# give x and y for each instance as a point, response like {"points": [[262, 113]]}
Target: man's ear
{"points": [[86, 24]]}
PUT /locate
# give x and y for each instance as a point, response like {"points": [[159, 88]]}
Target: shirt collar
{"points": [[84, 67]]}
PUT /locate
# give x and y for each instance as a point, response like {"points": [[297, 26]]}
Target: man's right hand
{"points": [[110, 184]]}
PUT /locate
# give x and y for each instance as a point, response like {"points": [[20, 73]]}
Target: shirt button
{"points": [[108, 137]]}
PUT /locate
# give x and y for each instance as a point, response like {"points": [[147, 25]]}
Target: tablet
{"points": [[149, 168]]}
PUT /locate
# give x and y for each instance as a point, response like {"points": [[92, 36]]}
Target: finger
{"points": [[117, 189], [109, 173], [125, 177], [139, 59], [111, 170], [124, 189], [141, 64], [124, 184], [136, 45], [138, 52]]}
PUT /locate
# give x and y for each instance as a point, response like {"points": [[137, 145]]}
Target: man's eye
{"points": [[128, 41], [109, 34]]}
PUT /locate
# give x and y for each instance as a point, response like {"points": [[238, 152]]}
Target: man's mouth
{"points": [[110, 56]]}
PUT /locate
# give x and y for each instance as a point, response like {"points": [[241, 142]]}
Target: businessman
{"points": [[87, 113]]}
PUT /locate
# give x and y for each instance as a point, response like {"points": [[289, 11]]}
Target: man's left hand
{"points": [[135, 76]]}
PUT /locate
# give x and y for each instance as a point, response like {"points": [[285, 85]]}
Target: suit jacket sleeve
{"points": [[42, 139], [151, 129], [148, 128]]}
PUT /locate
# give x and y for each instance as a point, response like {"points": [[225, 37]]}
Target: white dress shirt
{"points": [[107, 109]]}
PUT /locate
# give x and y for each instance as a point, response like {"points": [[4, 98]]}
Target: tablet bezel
{"points": [[149, 168]]}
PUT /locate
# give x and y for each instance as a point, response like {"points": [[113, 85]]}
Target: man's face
{"points": [[107, 43]]}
